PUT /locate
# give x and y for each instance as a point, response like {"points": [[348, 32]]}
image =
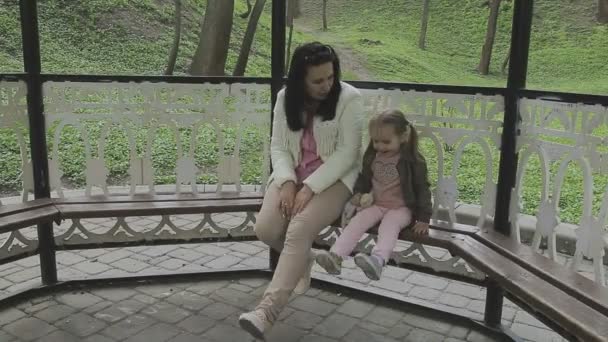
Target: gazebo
{"points": [[491, 245]]}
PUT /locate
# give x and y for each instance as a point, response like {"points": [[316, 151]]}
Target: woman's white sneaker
{"points": [[255, 322]]}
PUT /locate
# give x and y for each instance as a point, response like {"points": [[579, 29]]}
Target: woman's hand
{"points": [[421, 228], [287, 195], [302, 198]]}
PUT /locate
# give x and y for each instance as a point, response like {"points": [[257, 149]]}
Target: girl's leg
{"points": [[361, 223], [394, 220]]}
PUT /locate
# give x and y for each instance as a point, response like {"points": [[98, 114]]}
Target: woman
{"points": [[315, 153]]}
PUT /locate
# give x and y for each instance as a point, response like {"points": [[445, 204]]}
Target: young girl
{"points": [[394, 178]]}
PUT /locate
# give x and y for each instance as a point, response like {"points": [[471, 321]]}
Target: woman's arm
{"points": [[282, 161], [347, 150]]}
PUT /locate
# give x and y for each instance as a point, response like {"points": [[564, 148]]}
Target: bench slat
{"points": [[28, 218], [564, 278], [577, 318], [12, 209], [158, 197], [155, 208]]}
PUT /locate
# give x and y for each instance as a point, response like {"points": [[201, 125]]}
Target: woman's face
{"points": [[319, 80]]}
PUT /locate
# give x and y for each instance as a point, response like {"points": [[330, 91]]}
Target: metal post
{"points": [[518, 66], [35, 108], [278, 72]]}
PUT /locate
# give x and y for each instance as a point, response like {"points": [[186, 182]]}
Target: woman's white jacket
{"points": [[338, 143]]}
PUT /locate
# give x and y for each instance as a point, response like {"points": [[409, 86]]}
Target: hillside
{"points": [[377, 38], [568, 48]]}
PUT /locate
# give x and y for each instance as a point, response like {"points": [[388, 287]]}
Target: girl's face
{"points": [[319, 81], [385, 139]]}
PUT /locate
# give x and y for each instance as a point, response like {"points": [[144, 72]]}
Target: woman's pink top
{"points": [[310, 160]]}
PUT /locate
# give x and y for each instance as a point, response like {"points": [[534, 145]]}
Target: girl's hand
{"points": [[302, 198], [421, 228], [287, 195], [367, 200]]}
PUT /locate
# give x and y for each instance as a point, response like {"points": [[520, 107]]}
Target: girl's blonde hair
{"points": [[396, 119]]}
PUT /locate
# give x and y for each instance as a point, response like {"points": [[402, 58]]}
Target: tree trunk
{"points": [[291, 13], [424, 24], [297, 10], [506, 62], [248, 12], [176, 38], [324, 15], [486, 52], [241, 64], [214, 39], [288, 54], [602, 11]]}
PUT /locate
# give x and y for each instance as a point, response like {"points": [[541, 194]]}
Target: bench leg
{"points": [[494, 301], [46, 249]]}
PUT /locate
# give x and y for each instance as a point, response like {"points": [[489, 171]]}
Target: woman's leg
{"points": [[322, 210], [270, 225], [361, 223], [394, 220]]}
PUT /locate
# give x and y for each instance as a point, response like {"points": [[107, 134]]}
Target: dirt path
{"points": [[350, 61]]}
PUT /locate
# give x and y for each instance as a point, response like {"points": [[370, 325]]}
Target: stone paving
{"points": [[208, 311], [186, 312]]}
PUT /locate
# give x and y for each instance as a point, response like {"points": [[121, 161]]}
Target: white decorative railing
{"points": [[209, 119], [559, 135], [14, 128], [142, 112]]}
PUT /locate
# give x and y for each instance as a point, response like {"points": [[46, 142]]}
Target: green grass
{"points": [[568, 53]]}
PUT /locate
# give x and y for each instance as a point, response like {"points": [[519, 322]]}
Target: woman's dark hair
{"points": [[310, 54], [396, 119]]}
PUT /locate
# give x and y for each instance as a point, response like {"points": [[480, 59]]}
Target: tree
{"points": [[176, 38], [297, 10], [246, 14], [505, 63], [602, 11], [292, 9], [424, 24], [324, 15], [486, 51], [214, 39], [241, 64]]}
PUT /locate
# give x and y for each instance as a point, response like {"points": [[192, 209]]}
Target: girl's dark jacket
{"points": [[415, 186]]}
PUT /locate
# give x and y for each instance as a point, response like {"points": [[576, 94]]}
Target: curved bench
{"points": [[576, 307], [573, 305]]}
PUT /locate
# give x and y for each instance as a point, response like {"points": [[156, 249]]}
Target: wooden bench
{"points": [[149, 205], [573, 305], [570, 303], [17, 216]]}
